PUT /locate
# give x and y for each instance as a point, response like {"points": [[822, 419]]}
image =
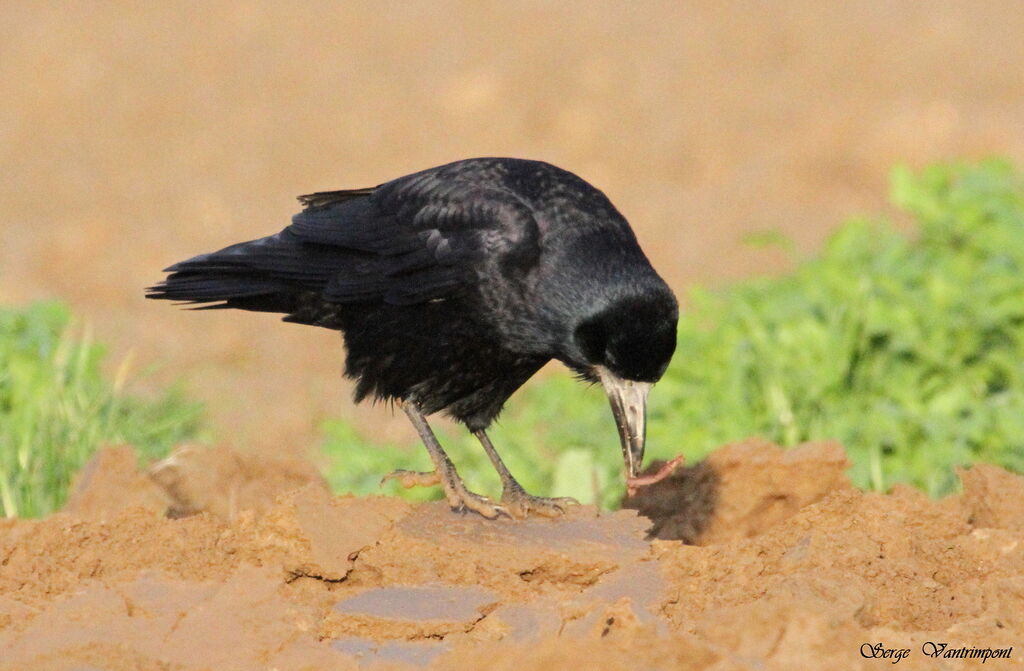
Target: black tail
{"points": [[249, 276], [340, 249]]}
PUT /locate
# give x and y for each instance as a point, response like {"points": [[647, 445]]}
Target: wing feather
{"points": [[419, 238]]}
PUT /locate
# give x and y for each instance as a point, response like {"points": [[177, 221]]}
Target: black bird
{"points": [[452, 287]]}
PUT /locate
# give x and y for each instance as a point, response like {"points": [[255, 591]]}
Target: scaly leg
{"points": [[514, 497], [444, 473]]}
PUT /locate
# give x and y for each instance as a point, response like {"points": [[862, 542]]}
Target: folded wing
{"points": [[409, 241]]}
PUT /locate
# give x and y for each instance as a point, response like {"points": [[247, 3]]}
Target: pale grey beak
{"points": [[629, 405]]}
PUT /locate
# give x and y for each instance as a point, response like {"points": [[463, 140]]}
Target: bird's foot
{"points": [[520, 504], [459, 497], [410, 479], [463, 500]]}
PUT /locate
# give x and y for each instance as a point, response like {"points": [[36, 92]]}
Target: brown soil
{"points": [[792, 568]]}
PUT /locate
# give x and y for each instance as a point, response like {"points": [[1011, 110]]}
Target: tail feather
{"points": [[235, 277], [336, 251]]}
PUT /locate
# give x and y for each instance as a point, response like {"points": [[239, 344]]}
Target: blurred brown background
{"points": [[133, 135]]}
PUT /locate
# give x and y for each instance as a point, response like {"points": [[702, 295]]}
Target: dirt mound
{"points": [[193, 479], [795, 569], [739, 490]]}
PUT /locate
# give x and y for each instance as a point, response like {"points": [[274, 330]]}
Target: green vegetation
{"points": [[908, 349], [56, 409]]}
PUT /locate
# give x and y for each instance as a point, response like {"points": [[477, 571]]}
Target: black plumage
{"points": [[454, 285]]}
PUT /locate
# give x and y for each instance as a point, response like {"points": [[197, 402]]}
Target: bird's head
{"points": [[627, 345]]}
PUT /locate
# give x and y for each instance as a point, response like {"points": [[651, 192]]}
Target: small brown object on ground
{"points": [[663, 471]]}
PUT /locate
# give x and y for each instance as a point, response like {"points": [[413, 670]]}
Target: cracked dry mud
{"points": [[792, 568]]}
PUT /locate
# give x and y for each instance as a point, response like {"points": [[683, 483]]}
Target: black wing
{"points": [[416, 239]]}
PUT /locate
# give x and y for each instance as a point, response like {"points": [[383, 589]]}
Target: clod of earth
{"points": [[788, 566]]}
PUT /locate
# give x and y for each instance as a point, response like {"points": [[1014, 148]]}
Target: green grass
{"points": [[57, 408], [907, 348]]}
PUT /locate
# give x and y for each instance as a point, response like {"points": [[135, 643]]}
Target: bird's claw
{"points": [[459, 498], [520, 504], [465, 500], [410, 479]]}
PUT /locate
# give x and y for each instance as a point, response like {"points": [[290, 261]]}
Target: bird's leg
{"points": [[513, 496], [444, 473]]}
